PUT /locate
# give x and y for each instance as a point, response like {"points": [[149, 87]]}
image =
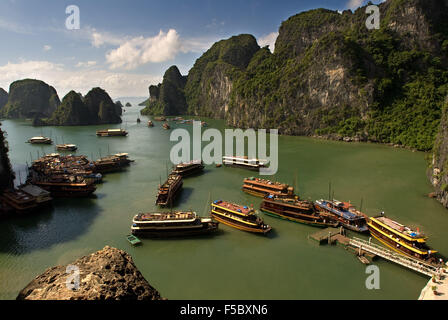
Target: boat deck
{"points": [[234, 207]]}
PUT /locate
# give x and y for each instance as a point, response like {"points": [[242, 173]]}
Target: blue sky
{"points": [[124, 46]]}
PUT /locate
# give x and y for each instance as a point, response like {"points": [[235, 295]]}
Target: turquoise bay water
{"points": [[233, 264]]}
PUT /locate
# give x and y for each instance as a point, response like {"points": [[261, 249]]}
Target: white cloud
{"points": [[86, 64], [47, 47], [354, 4], [115, 83], [268, 40]]}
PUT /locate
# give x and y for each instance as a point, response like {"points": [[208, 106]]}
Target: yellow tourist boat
{"points": [[239, 217]]}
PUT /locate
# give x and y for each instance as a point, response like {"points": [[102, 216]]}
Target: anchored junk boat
{"points": [[244, 162], [261, 188], [296, 210], [169, 190], [150, 124], [112, 163], [239, 217], [40, 140], [188, 168], [19, 200], [67, 147], [172, 224], [401, 239], [345, 213], [166, 126], [112, 133]]}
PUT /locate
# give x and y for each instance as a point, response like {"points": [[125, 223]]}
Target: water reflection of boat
{"points": [[172, 224]]}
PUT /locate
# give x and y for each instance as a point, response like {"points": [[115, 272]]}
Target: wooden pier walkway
{"points": [[328, 235], [407, 262]]}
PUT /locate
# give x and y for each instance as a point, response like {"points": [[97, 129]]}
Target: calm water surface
{"points": [[233, 264]]}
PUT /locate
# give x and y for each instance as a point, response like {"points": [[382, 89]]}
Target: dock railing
{"points": [[405, 261]]}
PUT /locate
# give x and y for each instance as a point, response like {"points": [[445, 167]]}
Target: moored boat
{"points": [[67, 147], [243, 162], [401, 238], [239, 217], [150, 124], [172, 224], [162, 118], [112, 133], [188, 168], [43, 197], [112, 163], [40, 140], [296, 210], [166, 126], [19, 200], [169, 190], [262, 187], [345, 213]]}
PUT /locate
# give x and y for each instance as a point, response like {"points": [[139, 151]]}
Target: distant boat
{"points": [[243, 162], [133, 240], [166, 126], [262, 187], [188, 168], [150, 124], [40, 140], [162, 118], [112, 133], [67, 147], [138, 120]]}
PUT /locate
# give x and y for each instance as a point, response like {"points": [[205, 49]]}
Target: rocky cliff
{"points": [[109, 274], [30, 99], [167, 98], [331, 76], [6, 173], [438, 172], [95, 108], [3, 98]]}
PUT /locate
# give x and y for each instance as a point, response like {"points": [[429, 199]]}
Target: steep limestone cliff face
{"points": [[29, 99], [210, 81], [71, 112], [6, 173], [101, 107], [167, 98], [109, 274], [3, 98], [438, 172]]}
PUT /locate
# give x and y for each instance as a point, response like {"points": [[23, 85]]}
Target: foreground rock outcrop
{"points": [[6, 173], [30, 98], [109, 274]]}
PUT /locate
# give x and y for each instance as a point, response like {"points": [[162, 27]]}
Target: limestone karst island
{"points": [[224, 151]]}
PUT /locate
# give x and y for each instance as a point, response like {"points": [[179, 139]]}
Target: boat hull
{"points": [[207, 228], [238, 226], [310, 220]]}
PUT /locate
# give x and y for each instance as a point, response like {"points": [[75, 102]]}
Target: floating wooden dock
{"points": [[330, 236]]}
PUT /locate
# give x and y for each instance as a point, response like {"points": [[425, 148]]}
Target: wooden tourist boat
{"points": [[40, 140], [262, 187], [150, 124], [345, 213], [239, 217], [169, 190], [162, 118], [166, 126], [66, 147], [112, 133], [19, 200], [65, 186], [188, 168], [296, 210], [172, 224], [112, 163], [401, 239], [43, 197], [243, 162]]}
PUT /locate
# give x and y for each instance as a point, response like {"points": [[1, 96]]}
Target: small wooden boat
{"points": [[262, 187], [40, 140], [188, 168], [162, 118], [218, 165], [172, 224], [133, 240], [363, 260], [150, 124], [244, 162], [112, 133], [166, 126], [239, 217], [66, 147]]}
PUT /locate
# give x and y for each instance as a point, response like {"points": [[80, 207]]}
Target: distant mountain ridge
{"points": [[330, 76]]}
